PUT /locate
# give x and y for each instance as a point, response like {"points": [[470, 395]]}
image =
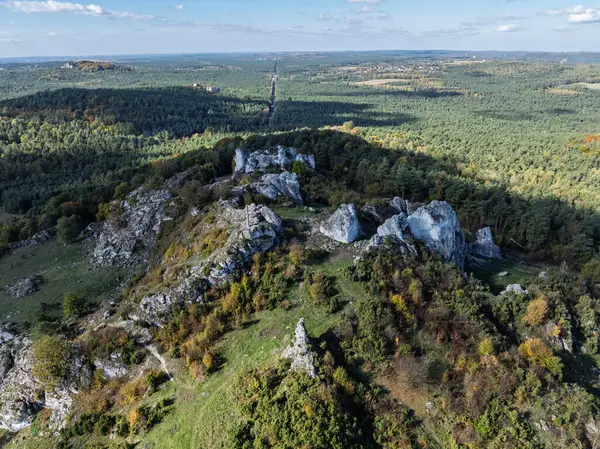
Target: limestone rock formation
{"points": [[395, 226], [514, 288], [273, 186], [22, 396], [343, 225], [135, 231], [394, 230], [260, 161], [299, 352], [380, 211], [19, 391], [401, 205], [256, 228], [437, 225], [112, 367], [24, 286], [484, 245]]}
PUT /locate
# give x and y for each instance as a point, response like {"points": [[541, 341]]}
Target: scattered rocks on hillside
{"points": [[299, 352], [135, 231], [437, 225], [256, 228], [24, 287], [484, 245], [273, 186], [343, 225], [280, 157], [37, 239]]}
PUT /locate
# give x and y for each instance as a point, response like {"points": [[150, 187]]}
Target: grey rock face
{"points": [[112, 367], [437, 225], [380, 212], [401, 205], [394, 228], [343, 225], [19, 391], [299, 352], [307, 159], [24, 287], [22, 396], [273, 186], [143, 215], [280, 157], [484, 245], [253, 229]]}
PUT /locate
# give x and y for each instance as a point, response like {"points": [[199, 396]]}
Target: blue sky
{"points": [[61, 28]]}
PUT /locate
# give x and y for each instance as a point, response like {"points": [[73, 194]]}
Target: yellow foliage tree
{"points": [[537, 353], [536, 312]]}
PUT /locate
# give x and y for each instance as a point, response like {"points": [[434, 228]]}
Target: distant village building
{"points": [[213, 89], [68, 66]]}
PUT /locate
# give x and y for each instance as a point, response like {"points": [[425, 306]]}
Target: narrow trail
{"points": [[163, 363], [273, 94]]}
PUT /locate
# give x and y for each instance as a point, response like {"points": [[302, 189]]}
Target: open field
{"points": [[63, 269]]}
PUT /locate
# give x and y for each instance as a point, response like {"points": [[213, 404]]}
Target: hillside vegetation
{"points": [[180, 271]]}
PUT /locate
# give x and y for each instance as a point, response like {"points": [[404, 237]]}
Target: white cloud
{"points": [[325, 16], [576, 14], [179, 7], [10, 40], [51, 34], [508, 28], [53, 6]]}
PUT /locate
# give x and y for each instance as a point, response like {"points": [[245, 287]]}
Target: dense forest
{"points": [[409, 351]]}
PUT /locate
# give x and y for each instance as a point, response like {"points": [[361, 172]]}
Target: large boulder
{"points": [[135, 230], [299, 352], [281, 157], [343, 225], [251, 230], [437, 225], [484, 245]]}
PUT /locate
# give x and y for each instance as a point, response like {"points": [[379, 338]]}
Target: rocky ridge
{"points": [[135, 231], [273, 186], [253, 229], [281, 157]]}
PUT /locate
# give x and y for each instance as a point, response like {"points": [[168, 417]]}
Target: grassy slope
{"points": [[63, 268], [205, 413]]}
